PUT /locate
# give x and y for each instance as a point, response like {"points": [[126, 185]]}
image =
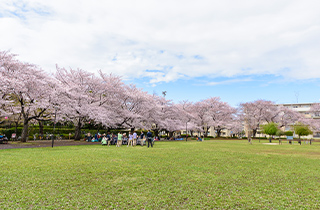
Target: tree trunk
{"points": [[132, 130], [77, 133], [191, 133], [254, 132], [25, 132], [218, 132], [156, 132], [170, 134], [16, 127], [41, 128], [205, 131]]}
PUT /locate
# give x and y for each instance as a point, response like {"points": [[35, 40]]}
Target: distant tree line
{"points": [[28, 94]]}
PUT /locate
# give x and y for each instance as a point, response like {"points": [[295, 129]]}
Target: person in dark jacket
{"points": [[149, 138]]}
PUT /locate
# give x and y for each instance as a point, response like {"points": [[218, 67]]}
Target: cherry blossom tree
{"points": [[287, 117], [253, 114], [237, 126], [163, 115], [158, 114], [212, 112], [26, 86], [259, 112], [86, 97], [15, 115], [201, 109], [314, 121], [27, 93], [221, 114], [173, 118], [187, 115], [135, 104]]}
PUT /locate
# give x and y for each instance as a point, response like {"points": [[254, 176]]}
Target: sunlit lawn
{"points": [[172, 175]]}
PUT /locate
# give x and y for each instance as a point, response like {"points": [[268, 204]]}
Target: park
{"points": [[213, 174], [159, 104], [237, 171]]}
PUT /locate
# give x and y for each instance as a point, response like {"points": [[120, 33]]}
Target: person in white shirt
{"points": [[135, 138], [130, 139]]}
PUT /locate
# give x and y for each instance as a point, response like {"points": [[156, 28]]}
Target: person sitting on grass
{"points": [[89, 137], [140, 139], [141, 135], [104, 141], [124, 138], [198, 138]]}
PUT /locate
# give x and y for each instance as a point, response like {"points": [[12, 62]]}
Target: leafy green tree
{"points": [[279, 133], [270, 129], [288, 133], [302, 130]]}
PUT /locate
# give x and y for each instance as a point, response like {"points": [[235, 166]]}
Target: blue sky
{"points": [[239, 50], [266, 87]]}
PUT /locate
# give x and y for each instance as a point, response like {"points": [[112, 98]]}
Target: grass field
{"points": [[172, 175]]}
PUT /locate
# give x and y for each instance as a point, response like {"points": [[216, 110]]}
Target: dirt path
{"points": [[44, 143]]}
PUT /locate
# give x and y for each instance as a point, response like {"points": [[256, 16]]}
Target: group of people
{"points": [[122, 138], [3, 138]]}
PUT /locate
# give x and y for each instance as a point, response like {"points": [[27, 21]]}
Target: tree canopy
{"points": [[270, 128], [302, 129], [30, 94]]}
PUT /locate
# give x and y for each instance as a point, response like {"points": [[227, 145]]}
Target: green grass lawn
{"points": [[172, 175]]}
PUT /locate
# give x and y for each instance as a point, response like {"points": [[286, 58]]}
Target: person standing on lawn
{"points": [[119, 142], [108, 139], [135, 136], [149, 138], [130, 139], [142, 139]]}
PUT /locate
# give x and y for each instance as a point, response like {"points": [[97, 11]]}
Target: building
{"points": [[304, 109]]}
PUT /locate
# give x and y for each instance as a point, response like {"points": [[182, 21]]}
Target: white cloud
{"points": [[128, 37], [229, 81]]}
